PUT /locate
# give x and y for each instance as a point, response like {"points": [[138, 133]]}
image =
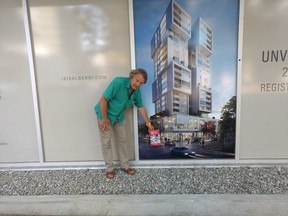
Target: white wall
{"points": [[78, 47], [18, 140], [264, 116]]}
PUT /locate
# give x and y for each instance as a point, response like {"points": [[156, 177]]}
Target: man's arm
{"points": [[143, 113], [103, 107]]}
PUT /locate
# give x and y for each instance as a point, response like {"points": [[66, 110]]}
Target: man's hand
{"points": [[150, 126], [104, 124]]}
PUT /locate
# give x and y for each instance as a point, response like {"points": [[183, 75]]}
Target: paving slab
{"points": [[150, 205]]}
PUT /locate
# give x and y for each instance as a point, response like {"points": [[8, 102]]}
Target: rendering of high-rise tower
{"points": [[200, 48], [169, 50], [182, 76], [182, 80]]}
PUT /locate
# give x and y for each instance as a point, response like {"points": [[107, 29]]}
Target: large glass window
{"points": [[18, 138], [74, 41], [164, 83], [163, 27]]}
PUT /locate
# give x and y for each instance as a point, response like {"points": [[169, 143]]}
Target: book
{"points": [[154, 137]]}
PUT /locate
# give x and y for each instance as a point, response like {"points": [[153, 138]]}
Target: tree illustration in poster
{"points": [[189, 48]]}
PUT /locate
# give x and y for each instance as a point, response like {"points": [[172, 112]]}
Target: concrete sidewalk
{"points": [[140, 205]]}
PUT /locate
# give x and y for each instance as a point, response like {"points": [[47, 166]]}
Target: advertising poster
{"points": [[264, 87], [189, 49]]}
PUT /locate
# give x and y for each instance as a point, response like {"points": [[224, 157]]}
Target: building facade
{"points": [[182, 80], [200, 48], [169, 50]]}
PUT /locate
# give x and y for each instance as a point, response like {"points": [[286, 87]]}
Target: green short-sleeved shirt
{"points": [[117, 95]]}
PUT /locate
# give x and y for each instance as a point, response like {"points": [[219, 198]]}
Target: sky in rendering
{"points": [[221, 15]]}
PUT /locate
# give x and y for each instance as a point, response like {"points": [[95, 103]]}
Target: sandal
{"points": [[129, 171], [110, 175]]}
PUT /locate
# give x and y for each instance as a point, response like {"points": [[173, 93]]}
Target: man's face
{"points": [[137, 81]]}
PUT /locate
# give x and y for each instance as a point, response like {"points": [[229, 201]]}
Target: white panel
{"points": [[80, 46], [264, 116], [18, 142]]}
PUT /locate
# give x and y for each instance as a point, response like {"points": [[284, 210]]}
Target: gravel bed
{"points": [[219, 180]]}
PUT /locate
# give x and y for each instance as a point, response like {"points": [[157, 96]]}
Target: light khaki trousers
{"points": [[121, 145]]}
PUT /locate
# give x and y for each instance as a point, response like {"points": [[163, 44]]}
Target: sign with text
{"points": [[264, 88]]}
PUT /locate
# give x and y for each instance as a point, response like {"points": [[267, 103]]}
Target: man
{"points": [[122, 92]]}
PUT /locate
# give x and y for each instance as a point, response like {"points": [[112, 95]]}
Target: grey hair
{"points": [[139, 71]]}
